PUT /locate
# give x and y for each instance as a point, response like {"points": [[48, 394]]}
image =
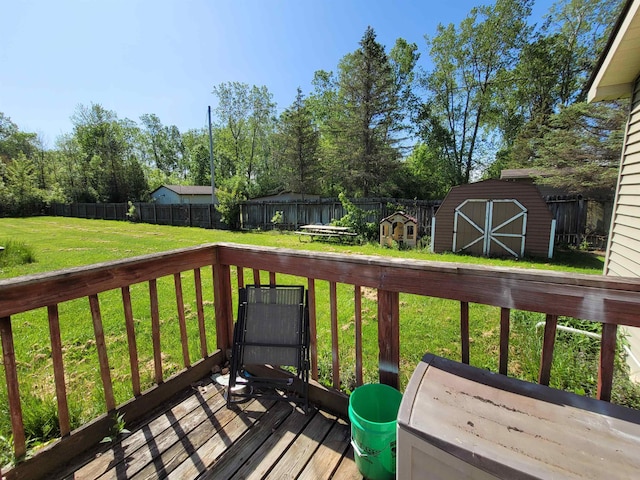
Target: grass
{"points": [[427, 324], [59, 242], [15, 253]]}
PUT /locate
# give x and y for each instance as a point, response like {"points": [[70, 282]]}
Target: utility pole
{"points": [[213, 182]]}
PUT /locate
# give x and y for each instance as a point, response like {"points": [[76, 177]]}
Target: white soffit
{"points": [[621, 65]]}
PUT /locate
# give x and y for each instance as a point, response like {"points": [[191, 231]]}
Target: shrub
{"points": [[229, 198], [356, 219]]}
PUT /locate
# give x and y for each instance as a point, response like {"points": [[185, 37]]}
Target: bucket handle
{"points": [[357, 449]]}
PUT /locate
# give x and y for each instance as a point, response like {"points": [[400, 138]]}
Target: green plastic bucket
{"points": [[373, 412]]}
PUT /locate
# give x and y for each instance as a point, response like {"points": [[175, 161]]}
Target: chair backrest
{"points": [[274, 324]]}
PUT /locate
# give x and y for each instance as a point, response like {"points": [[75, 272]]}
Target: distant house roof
{"points": [[403, 215], [189, 189]]}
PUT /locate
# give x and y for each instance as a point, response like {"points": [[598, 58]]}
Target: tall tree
{"points": [[549, 77], [13, 141], [582, 26], [363, 112], [163, 145], [298, 139], [462, 87], [245, 123], [22, 192], [73, 178], [196, 144], [326, 112], [107, 154]]}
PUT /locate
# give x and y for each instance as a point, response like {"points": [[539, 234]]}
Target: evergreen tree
{"points": [[298, 141]]}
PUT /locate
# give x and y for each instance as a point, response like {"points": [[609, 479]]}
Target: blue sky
{"points": [[164, 57]]}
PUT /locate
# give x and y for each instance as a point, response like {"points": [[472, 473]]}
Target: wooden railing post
{"points": [[548, 344], [101, 347], [335, 357], [607, 360], [358, 327], [223, 305], [182, 321], [389, 337], [505, 314], [131, 340], [58, 370], [313, 332], [155, 331], [197, 278], [13, 392], [464, 331]]}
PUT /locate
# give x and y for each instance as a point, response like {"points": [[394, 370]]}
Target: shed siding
{"points": [[623, 258], [538, 215]]}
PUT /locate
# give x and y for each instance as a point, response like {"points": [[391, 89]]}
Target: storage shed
{"points": [[399, 227], [494, 218]]}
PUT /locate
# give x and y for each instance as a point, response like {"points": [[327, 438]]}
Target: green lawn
{"points": [[60, 242], [427, 324]]}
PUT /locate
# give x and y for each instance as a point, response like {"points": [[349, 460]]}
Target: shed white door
{"points": [[490, 227]]}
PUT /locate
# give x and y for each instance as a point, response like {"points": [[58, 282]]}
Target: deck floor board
{"points": [[198, 437]]}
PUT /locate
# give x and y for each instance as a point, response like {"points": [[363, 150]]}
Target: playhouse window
{"points": [[409, 231]]}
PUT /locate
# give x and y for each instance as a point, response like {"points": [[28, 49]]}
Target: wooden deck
{"points": [[197, 436]]}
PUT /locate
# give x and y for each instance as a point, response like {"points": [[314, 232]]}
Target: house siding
{"points": [[623, 254], [538, 215]]}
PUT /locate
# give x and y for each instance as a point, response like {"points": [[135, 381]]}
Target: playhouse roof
{"points": [[402, 214]]}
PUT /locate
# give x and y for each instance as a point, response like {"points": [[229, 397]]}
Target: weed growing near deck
{"points": [[15, 253]]}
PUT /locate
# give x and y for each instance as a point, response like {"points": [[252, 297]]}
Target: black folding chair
{"points": [[272, 329]]}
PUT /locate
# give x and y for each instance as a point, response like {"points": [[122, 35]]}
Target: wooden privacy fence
{"points": [[323, 211], [577, 219], [581, 219], [202, 215], [611, 301]]}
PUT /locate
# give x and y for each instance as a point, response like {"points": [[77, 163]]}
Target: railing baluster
{"points": [[184, 338], [313, 330], [607, 358], [389, 337], [272, 278], [224, 306], [335, 358], [358, 327], [240, 272], [13, 392], [548, 344], [103, 359], [464, 331], [256, 276], [197, 278], [504, 340], [131, 340], [155, 330], [58, 370]]}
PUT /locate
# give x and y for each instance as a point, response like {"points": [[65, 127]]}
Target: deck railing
{"points": [[610, 301]]}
